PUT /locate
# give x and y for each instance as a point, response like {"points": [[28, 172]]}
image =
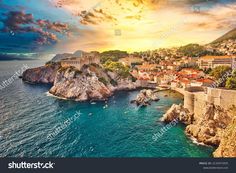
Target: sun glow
{"points": [[140, 25]]}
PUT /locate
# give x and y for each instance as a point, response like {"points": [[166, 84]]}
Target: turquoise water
{"points": [[28, 116]]}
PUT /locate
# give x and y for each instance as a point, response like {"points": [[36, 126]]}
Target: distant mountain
{"points": [[229, 35], [59, 57]]}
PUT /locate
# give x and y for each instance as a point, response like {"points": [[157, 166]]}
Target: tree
{"points": [[116, 53], [231, 81], [104, 59], [220, 71], [117, 67], [207, 70], [192, 50]]}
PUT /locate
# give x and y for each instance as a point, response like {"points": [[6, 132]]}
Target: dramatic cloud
{"points": [[219, 17], [20, 22], [96, 17], [15, 19], [55, 26], [131, 25]]}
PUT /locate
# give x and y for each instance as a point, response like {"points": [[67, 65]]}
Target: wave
{"points": [[51, 95], [195, 141]]}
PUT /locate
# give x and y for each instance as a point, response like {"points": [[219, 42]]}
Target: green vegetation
{"points": [[207, 71], [192, 50], [117, 67], [229, 35], [133, 79], [195, 50], [116, 53], [231, 81], [70, 69], [103, 80], [113, 82], [112, 55], [220, 71], [104, 59]]}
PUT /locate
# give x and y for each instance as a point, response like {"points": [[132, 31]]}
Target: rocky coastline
{"points": [[92, 82], [215, 128], [44, 75], [145, 97]]}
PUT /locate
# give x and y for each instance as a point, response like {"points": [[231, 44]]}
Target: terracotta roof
{"points": [[205, 80], [216, 57]]}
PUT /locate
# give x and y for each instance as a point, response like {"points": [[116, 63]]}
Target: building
{"points": [[202, 82], [131, 61], [78, 62], [206, 62], [145, 67]]}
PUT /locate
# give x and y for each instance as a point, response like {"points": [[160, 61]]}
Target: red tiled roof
{"points": [[205, 80], [216, 57]]}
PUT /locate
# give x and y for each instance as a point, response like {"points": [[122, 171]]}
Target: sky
{"points": [[60, 26]]}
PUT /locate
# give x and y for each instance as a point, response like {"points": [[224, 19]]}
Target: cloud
{"points": [[95, 17], [14, 20], [219, 17], [20, 22], [55, 26]]}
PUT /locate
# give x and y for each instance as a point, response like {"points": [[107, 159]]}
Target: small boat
{"points": [[93, 103], [106, 106], [90, 114]]}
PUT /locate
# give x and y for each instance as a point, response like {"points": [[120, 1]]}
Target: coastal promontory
{"points": [[90, 82]]}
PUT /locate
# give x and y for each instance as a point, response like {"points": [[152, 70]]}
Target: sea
{"points": [[35, 124]]}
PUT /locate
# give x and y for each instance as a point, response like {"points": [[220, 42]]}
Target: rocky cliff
{"points": [[227, 147], [92, 82], [80, 85], [178, 112], [45, 74], [216, 127]]}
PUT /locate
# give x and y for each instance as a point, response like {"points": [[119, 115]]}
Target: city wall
{"points": [[195, 99]]}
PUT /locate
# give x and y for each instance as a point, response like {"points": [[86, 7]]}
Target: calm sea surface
{"points": [[120, 129]]}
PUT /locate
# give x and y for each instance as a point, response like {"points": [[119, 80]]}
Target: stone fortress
{"points": [[78, 61], [196, 98]]}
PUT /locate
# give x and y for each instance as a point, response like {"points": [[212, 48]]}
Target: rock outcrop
{"points": [[91, 83], [178, 112], [45, 74], [216, 127], [145, 97], [227, 147], [210, 127], [80, 85]]}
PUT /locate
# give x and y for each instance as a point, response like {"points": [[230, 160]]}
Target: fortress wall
{"points": [[79, 62], [195, 102], [189, 101], [221, 97], [199, 104]]}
